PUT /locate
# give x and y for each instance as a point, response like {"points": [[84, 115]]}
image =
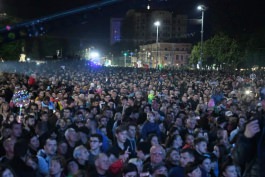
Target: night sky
{"points": [[232, 16]]}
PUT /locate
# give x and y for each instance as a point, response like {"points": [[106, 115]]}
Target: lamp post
{"points": [[157, 24], [201, 8], [125, 55]]}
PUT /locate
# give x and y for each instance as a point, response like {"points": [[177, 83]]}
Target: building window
{"points": [[177, 57]]}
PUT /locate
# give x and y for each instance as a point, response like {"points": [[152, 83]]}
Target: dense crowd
{"points": [[83, 120]]}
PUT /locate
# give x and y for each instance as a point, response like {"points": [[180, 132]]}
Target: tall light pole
{"points": [[125, 55], [201, 8], [157, 24]]}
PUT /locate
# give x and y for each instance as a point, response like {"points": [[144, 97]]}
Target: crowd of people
{"points": [[78, 119]]}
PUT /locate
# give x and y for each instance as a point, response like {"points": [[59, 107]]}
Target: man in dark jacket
{"points": [[249, 152]]}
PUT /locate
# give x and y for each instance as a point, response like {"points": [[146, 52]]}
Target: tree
{"points": [[218, 50], [11, 50]]}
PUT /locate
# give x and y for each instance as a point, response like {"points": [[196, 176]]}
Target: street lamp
{"points": [[157, 24], [201, 8], [125, 55]]}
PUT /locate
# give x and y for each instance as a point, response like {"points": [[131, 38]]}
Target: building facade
{"points": [[172, 25], [165, 54]]}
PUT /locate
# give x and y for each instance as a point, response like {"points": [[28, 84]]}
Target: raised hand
{"points": [[252, 128]]}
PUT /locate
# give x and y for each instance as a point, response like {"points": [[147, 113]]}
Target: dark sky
{"points": [[234, 16]]}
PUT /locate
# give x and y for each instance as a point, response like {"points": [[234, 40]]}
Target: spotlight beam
{"points": [[60, 15]]}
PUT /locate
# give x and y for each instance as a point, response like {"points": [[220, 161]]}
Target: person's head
{"points": [[147, 108], [220, 151], [34, 142], [41, 128], [81, 153], [228, 169], [174, 141], [200, 145], [9, 145], [191, 123], [33, 108], [16, 129], [10, 118], [6, 171], [131, 129], [62, 147], [103, 120], [173, 156], [159, 169], [102, 162], [50, 146], [157, 154], [57, 164], [206, 163], [5, 131], [129, 170], [95, 141], [118, 116], [121, 133], [151, 117], [32, 161], [152, 139], [71, 135], [189, 139], [72, 167], [186, 156], [67, 113], [44, 116], [138, 163], [143, 148], [192, 170], [30, 121]]}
